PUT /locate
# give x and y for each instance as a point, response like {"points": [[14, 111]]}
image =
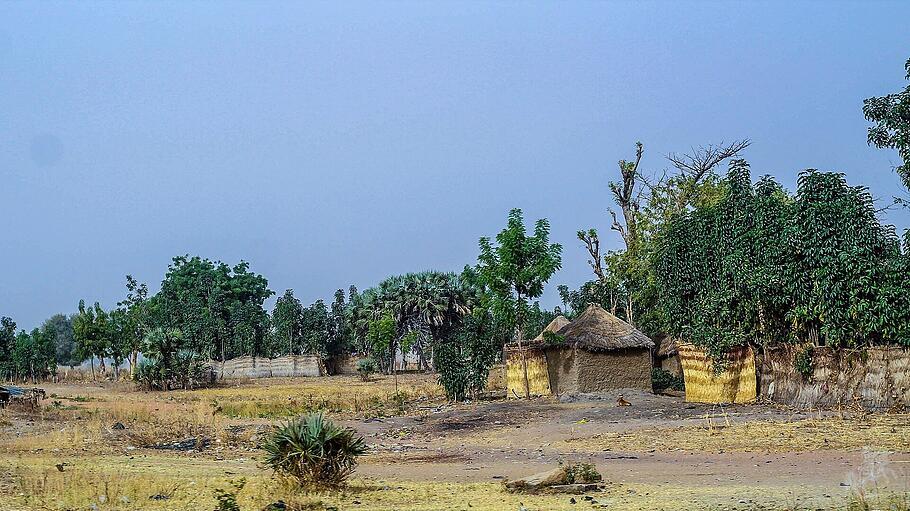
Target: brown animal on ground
{"points": [[622, 402]]}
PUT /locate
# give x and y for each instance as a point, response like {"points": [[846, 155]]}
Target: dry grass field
{"points": [[111, 447]]}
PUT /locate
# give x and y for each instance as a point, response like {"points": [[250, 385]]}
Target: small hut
{"points": [[667, 356], [598, 352], [558, 323]]}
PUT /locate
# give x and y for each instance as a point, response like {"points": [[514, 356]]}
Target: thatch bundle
{"points": [[737, 383], [598, 330], [538, 374]]}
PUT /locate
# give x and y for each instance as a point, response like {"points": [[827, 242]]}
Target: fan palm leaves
{"points": [[314, 452]]}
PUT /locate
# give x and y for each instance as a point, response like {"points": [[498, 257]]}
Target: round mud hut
{"points": [[598, 352]]}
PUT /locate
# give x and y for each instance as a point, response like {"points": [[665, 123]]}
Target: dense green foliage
{"points": [[287, 332], [218, 308], [761, 266], [61, 327], [314, 452], [891, 115], [7, 345], [91, 330]]}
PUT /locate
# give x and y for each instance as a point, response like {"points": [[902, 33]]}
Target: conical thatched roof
{"points": [[554, 326], [667, 346], [598, 330]]}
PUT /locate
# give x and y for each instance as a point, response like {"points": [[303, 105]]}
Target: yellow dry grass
{"points": [[714, 434], [179, 483], [345, 396]]}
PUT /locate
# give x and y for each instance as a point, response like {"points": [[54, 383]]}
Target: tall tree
{"points": [[315, 330], [891, 115], [339, 331], [61, 327], [136, 319], [92, 334], [514, 271], [287, 317], [7, 344]]}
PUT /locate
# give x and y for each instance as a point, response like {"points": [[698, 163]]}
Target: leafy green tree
{"points": [[463, 359], [61, 328], [136, 321], [92, 334], [169, 363], [7, 344], [339, 340], [121, 334], [383, 336], [625, 282], [315, 328], [287, 318], [760, 266], [35, 355], [218, 308], [515, 270], [425, 307], [891, 115]]}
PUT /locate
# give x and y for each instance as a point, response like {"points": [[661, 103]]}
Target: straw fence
{"points": [[538, 376], [735, 384], [291, 366], [875, 378]]}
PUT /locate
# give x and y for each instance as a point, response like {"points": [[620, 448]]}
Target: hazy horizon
{"points": [[332, 144]]}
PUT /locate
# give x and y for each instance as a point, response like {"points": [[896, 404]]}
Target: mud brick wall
{"points": [[617, 369], [875, 378]]}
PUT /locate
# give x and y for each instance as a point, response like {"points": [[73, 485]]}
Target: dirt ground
{"points": [[658, 453]]}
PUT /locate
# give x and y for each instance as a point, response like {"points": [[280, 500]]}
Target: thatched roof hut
{"points": [[553, 327], [597, 330], [667, 354], [597, 352]]}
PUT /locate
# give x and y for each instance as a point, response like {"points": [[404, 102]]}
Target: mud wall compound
{"points": [[257, 367], [875, 378]]}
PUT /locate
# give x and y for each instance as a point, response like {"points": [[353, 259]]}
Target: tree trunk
{"points": [[629, 310], [92, 362]]}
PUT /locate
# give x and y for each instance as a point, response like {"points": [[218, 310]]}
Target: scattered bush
{"points": [[314, 452], [582, 473], [662, 380], [366, 367]]}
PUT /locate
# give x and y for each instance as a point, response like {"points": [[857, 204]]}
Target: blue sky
{"points": [[337, 143]]}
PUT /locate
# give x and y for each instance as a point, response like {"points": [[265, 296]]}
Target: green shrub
{"points": [[314, 452], [804, 363], [661, 380], [582, 473], [366, 367]]}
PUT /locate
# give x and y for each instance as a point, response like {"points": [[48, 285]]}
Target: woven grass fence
{"points": [[735, 384], [538, 375]]}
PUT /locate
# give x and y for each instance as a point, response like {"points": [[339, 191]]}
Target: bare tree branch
{"points": [[703, 159]]}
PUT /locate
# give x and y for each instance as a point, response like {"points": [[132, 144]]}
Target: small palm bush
{"points": [[314, 452]]}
